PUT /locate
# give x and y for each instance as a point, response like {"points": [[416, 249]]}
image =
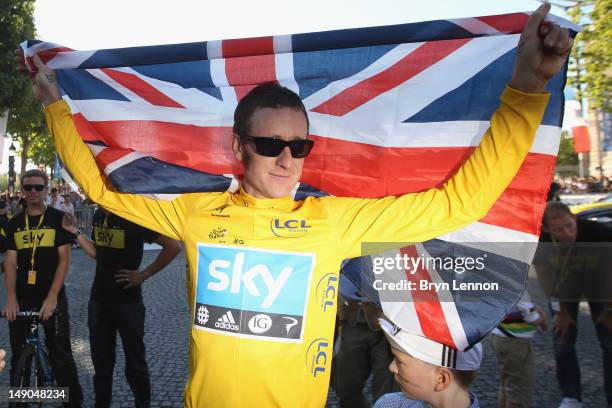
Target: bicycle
{"points": [[33, 354]]}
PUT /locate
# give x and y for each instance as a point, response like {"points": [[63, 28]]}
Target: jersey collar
{"points": [[242, 198]]}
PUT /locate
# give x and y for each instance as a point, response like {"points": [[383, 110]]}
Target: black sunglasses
{"points": [[30, 187], [271, 147]]}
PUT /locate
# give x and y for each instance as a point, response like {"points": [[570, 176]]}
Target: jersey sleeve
{"points": [[465, 198], [164, 216]]}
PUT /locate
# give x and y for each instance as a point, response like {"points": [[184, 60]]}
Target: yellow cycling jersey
{"points": [[263, 273]]}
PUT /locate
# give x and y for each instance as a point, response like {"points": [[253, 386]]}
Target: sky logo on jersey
{"points": [[109, 237], [44, 237], [251, 281]]}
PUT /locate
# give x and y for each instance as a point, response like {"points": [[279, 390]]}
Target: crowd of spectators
{"points": [[66, 200], [583, 185]]}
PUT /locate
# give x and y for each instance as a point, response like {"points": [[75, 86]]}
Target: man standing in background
{"points": [[36, 264], [116, 304]]}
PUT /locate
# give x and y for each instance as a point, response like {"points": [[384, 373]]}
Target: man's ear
{"points": [[237, 147], [444, 378]]}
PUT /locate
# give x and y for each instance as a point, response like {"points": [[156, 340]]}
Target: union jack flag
{"points": [[393, 109]]}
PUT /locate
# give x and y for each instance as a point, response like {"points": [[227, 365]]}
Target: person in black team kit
{"points": [[574, 263], [36, 264], [116, 299]]}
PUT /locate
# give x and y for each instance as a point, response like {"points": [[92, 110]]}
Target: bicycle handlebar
{"points": [[27, 313]]}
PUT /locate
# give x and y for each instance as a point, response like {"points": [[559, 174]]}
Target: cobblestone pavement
{"points": [[167, 329]]}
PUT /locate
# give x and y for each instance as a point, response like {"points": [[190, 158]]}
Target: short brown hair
{"points": [[464, 378], [267, 95], [35, 173], [554, 209]]}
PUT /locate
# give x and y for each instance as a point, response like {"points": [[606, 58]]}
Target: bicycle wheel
{"points": [[23, 373]]}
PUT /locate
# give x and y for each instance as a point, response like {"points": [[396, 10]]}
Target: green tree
{"points": [[567, 155], [3, 182], [25, 121], [576, 59], [591, 60], [42, 150]]}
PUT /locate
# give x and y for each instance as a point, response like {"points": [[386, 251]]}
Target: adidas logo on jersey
{"points": [[227, 322]]}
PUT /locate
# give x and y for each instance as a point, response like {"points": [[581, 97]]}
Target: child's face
{"points": [[415, 377]]}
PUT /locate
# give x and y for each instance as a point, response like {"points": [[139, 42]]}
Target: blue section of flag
{"points": [[306, 190], [136, 177], [153, 54], [357, 280], [192, 74], [315, 70], [81, 85], [372, 36], [478, 97]]}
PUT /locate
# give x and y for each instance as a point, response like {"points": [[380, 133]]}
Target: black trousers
{"points": [[568, 370], [57, 340], [105, 321], [362, 352]]}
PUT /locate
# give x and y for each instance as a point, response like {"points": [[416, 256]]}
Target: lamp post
{"points": [[11, 172]]}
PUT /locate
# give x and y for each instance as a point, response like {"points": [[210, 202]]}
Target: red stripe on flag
{"points": [[49, 54], [420, 59], [507, 23], [248, 63], [245, 73], [427, 304], [247, 46], [86, 130], [110, 155], [201, 148], [142, 88], [516, 208]]}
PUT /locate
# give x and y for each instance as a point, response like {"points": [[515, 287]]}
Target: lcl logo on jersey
{"points": [[253, 281], [327, 290], [317, 355], [289, 228]]}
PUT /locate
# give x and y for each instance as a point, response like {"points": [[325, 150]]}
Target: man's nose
{"points": [[284, 159]]}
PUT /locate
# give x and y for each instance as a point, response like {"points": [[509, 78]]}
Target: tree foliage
{"points": [[42, 151], [567, 155], [26, 120], [591, 59]]}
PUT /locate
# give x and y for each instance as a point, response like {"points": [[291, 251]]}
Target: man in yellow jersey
{"points": [[263, 274]]}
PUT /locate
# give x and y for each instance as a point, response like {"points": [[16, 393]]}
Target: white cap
{"points": [[432, 351]]}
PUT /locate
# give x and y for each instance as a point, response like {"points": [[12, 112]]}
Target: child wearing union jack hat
{"points": [[430, 373]]}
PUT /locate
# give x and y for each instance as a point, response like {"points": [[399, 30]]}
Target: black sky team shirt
{"points": [[40, 236], [119, 245]]}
